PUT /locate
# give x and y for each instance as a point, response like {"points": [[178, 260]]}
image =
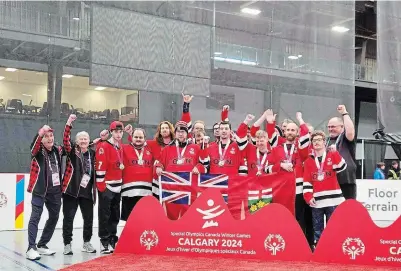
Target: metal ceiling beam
{"points": [[18, 46]]}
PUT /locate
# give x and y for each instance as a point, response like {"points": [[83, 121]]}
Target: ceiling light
{"points": [[29, 95], [250, 11], [293, 57], [218, 53], [68, 75], [11, 69], [1, 78], [340, 29], [237, 61], [75, 19], [100, 88], [299, 56]]}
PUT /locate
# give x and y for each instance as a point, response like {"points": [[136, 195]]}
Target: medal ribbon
{"points": [[118, 149], [320, 165], [221, 153], [180, 155], [328, 142], [260, 164], [50, 164], [139, 155], [288, 156]]}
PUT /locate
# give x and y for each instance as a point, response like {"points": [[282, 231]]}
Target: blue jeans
{"points": [[53, 205], [318, 220]]}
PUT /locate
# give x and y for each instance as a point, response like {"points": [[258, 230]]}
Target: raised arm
{"points": [[255, 127], [67, 133], [186, 116], [348, 124], [37, 141], [242, 132]]}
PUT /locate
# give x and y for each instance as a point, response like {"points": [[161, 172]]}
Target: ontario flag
{"points": [[257, 199], [178, 190], [276, 188]]}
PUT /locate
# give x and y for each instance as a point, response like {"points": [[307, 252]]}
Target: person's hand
{"points": [[187, 98], [341, 109], [249, 118], [128, 129], [226, 107], [270, 117], [312, 202], [159, 171], [104, 134], [96, 140], [71, 119], [299, 118], [195, 171]]}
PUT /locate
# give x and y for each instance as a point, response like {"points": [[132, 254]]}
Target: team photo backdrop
{"points": [[382, 199]]}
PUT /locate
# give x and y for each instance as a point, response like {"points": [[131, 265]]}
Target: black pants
{"points": [[309, 232], [70, 206], [109, 216], [128, 203], [300, 210], [349, 190], [53, 205]]}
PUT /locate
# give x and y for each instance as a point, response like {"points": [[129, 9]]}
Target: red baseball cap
{"points": [[116, 125]]}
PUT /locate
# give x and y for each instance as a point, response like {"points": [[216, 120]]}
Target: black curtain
{"points": [[397, 150], [374, 153]]}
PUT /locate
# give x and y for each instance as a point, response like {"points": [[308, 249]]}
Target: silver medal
{"points": [[180, 161], [320, 176], [121, 166], [140, 162], [221, 163]]}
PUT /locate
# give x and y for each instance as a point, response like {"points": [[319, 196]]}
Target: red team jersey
{"points": [[138, 173], [108, 171], [234, 160], [325, 189], [255, 160], [192, 156]]}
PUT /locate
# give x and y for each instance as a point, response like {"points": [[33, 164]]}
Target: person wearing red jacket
{"points": [[137, 173], [321, 189], [226, 157], [180, 156], [109, 171]]}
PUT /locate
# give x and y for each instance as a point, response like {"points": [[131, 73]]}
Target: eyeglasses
{"points": [[332, 126]]}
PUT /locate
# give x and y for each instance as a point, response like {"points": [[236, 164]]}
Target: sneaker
{"points": [[87, 247], [32, 254], [67, 250], [111, 248], [44, 250], [104, 249]]}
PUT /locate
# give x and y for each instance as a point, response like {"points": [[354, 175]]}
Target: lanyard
{"points": [[180, 155], [260, 164], [50, 164], [320, 165], [221, 153], [337, 140], [288, 156], [89, 166]]}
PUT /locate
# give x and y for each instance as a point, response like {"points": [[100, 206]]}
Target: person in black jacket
{"points": [[78, 186], [45, 186]]}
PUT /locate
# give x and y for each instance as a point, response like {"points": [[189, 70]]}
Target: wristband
{"points": [[345, 114]]}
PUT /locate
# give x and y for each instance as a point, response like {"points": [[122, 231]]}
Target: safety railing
{"points": [[37, 21]]}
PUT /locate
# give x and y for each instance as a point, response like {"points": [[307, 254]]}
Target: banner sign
{"points": [[382, 198], [208, 229], [243, 195]]}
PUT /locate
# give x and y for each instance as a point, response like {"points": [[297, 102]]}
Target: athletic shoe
{"points": [[44, 250], [104, 249], [32, 254], [87, 247], [67, 250]]}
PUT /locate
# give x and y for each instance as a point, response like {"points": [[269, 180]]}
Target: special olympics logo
{"points": [[3, 200], [149, 239], [353, 247], [274, 243]]}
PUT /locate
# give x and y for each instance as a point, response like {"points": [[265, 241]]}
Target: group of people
{"points": [[393, 173], [323, 169]]}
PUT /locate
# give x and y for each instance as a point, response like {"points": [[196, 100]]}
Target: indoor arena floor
{"points": [[13, 245]]}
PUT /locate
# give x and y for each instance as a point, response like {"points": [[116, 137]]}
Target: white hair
{"points": [[81, 134]]}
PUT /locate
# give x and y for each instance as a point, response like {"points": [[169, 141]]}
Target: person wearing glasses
{"points": [[342, 138]]}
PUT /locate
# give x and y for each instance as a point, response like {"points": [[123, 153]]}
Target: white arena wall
{"points": [[382, 198]]}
